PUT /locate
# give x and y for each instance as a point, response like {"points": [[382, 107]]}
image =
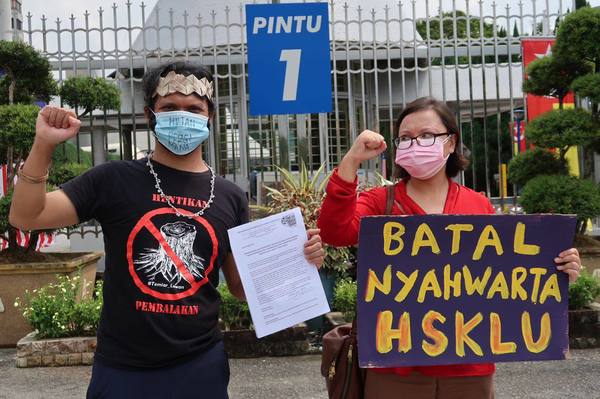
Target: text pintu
{"points": [[287, 24]]}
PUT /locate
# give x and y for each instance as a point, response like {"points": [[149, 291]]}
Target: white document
{"points": [[282, 288]]}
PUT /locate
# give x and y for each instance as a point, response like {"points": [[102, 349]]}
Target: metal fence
{"points": [[382, 57]]}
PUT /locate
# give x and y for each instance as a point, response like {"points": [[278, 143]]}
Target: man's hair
{"points": [[152, 78], [456, 161]]}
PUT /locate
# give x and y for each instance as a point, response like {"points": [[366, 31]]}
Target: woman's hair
{"points": [[456, 162], [152, 78]]}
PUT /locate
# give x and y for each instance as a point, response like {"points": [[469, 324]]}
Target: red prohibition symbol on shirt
{"points": [[146, 223]]}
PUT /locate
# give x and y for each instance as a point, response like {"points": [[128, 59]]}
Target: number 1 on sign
{"points": [[292, 71]]}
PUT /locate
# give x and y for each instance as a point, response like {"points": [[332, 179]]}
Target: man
{"points": [[165, 220]]}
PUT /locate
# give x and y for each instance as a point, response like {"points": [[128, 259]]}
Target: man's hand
{"points": [[313, 248], [56, 125]]}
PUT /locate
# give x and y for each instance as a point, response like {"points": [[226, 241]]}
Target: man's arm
{"points": [[32, 208], [232, 277]]}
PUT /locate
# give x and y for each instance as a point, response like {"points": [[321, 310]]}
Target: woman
{"points": [[426, 140]]}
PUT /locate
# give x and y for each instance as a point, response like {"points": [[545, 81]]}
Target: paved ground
{"points": [[298, 377]]}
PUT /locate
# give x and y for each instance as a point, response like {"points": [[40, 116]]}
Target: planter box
{"points": [[244, 344], [18, 277], [584, 328], [77, 351]]}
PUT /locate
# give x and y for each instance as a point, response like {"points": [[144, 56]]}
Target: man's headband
{"points": [[186, 85]]}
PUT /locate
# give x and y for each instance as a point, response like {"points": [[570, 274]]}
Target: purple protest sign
{"points": [[450, 289]]}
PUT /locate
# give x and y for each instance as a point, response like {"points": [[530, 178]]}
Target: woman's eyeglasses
{"points": [[423, 140]]}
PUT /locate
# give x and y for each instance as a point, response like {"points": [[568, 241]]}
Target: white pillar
{"points": [[6, 31]]}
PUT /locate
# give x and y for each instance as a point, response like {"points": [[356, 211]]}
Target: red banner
{"points": [[533, 49]]}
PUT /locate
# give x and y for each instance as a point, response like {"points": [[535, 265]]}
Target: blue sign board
{"points": [[289, 70]]}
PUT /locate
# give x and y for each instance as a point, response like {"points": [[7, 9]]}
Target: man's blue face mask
{"points": [[180, 132]]}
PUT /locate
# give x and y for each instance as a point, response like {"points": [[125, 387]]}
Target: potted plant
{"points": [[21, 267], [240, 339], [64, 316], [27, 78]]}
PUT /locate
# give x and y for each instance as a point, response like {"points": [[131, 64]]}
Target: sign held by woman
{"points": [[456, 289]]}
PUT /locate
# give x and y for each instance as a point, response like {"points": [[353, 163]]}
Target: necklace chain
{"points": [[168, 201]]}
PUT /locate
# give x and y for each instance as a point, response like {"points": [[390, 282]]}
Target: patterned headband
{"points": [[186, 85]]}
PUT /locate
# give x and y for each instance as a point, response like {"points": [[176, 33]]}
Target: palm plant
{"points": [[307, 193]]}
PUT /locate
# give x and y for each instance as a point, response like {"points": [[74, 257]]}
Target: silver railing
{"points": [[383, 55]]}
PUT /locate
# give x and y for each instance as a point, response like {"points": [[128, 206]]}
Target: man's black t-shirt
{"points": [[160, 300]]}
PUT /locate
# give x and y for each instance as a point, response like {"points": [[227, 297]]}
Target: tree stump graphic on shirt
{"points": [[180, 237]]}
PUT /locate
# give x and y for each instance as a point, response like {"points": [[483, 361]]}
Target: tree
{"points": [[516, 30], [588, 86], [531, 163], [86, 94], [577, 37], [449, 33], [474, 26], [552, 76], [17, 131], [89, 94], [27, 74], [581, 3], [563, 129], [577, 40]]}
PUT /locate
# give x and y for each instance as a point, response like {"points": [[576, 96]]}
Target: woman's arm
{"points": [[339, 219]]}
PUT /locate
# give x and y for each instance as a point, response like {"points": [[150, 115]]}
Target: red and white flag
{"points": [[22, 238], [3, 180], [44, 240]]}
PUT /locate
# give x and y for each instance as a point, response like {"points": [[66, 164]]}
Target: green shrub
{"points": [[588, 86], [235, 314], [562, 129], [563, 195], [67, 153], [4, 211], [527, 165], [344, 298], [583, 291], [17, 131], [65, 172], [337, 261], [54, 311]]}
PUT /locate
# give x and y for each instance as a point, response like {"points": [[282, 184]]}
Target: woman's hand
{"points": [[367, 146], [313, 248], [568, 261]]}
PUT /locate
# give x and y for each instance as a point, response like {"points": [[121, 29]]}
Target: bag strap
{"points": [[389, 198]]}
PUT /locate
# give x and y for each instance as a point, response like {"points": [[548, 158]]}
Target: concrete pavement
{"points": [[299, 377]]}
